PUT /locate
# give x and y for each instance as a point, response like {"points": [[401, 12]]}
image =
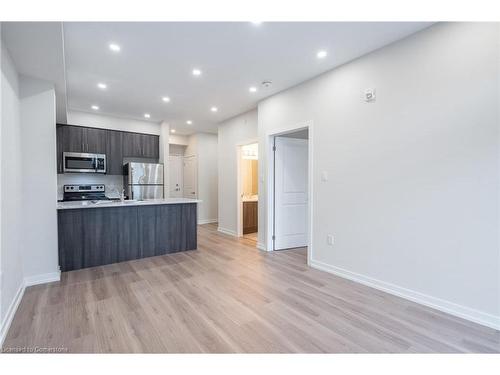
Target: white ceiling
{"points": [[156, 59]]}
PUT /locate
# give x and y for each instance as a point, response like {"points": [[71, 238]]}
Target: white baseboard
{"points": [[11, 311], [261, 246], [227, 231], [27, 281], [207, 221], [451, 308], [42, 279]]}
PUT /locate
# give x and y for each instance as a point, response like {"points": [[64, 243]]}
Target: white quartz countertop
{"points": [[127, 203]]}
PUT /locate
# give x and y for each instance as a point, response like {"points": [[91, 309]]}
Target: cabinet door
{"points": [[73, 139], [150, 146], [131, 144], [114, 152], [95, 140], [59, 147], [250, 217]]}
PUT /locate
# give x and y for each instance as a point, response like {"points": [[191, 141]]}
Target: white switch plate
{"points": [[324, 176], [330, 239]]}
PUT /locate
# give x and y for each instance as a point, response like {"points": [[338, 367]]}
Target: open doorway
{"points": [[290, 212], [248, 191]]}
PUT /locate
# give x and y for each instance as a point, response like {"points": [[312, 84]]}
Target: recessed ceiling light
{"points": [[256, 23], [166, 99], [252, 89], [114, 47], [102, 86], [196, 72], [214, 109], [95, 107], [189, 122], [172, 130], [147, 115], [321, 54]]}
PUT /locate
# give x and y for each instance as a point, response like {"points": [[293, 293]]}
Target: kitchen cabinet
{"points": [[114, 152], [150, 146], [94, 140], [59, 148], [115, 144], [90, 237], [73, 139], [250, 217], [81, 139], [131, 145], [141, 145]]}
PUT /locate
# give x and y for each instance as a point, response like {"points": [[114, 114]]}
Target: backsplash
{"points": [[114, 183]]}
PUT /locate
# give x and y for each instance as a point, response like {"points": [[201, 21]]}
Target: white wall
{"points": [[182, 140], [114, 123], [207, 177], [11, 191], [28, 187], [231, 133], [412, 196], [39, 170], [204, 147]]}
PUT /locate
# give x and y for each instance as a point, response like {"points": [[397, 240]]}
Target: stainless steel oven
{"points": [[77, 162]]}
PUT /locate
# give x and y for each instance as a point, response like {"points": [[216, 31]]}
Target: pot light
{"points": [[95, 107], [172, 130], [214, 109], [147, 115], [321, 54], [196, 72], [189, 122], [166, 99], [102, 86], [252, 89], [256, 23], [114, 47]]}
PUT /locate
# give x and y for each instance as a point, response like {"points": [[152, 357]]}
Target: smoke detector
{"points": [[266, 84]]}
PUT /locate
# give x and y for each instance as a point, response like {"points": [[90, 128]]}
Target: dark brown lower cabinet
{"points": [[250, 217], [90, 237]]}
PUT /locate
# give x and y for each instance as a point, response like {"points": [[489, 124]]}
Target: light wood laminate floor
{"points": [[229, 297]]}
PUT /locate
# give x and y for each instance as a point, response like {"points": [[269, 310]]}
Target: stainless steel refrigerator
{"points": [[143, 181]]}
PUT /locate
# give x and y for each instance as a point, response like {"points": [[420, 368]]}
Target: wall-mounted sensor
{"points": [[369, 95]]}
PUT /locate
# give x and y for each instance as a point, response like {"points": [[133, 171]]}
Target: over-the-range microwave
{"points": [[77, 162]]}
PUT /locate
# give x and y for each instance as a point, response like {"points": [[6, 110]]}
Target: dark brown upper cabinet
{"points": [[95, 140], [141, 145], [114, 152], [80, 139]]}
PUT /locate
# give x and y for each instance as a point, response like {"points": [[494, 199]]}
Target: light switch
{"points": [[330, 240], [324, 176]]}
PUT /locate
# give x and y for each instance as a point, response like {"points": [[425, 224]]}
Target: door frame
{"points": [[270, 182], [239, 200]]}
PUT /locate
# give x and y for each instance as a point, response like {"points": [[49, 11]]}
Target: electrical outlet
{"points": [[330, 239]]}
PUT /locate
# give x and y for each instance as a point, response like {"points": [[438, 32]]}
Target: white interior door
{"points": [[190, 177], [175, 164], [290, 193]]}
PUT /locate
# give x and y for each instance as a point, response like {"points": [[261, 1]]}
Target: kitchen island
{"points": [[104, 232]]}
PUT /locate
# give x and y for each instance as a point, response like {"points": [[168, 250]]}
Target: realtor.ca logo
{"points": [[34, 349]]}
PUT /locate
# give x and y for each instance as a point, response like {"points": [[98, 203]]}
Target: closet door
{"points": [[175, 164], [190, 177]]}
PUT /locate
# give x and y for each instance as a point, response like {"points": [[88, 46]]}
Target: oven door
{"points": [[76, 162]]}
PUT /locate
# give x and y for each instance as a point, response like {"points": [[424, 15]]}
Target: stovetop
{"points": [[91, 192]]}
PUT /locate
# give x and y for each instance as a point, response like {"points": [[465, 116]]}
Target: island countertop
{"points": [[126, 203]]}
